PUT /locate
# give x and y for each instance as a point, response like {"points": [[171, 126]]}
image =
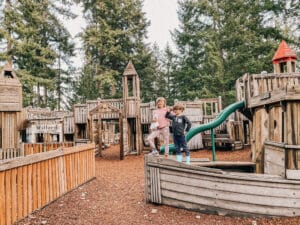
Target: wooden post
{"points": [[99, 133], [121, 136]]}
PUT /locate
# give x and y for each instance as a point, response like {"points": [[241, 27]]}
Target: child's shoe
{"points": [[179, 158], [154, 152], [188, 160]]}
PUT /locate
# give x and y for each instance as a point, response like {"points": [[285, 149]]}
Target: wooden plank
{"points": [[293, 174], [50, 180], [25, 190], [41, 157], [256, 199], [39, 183], [2, 198], [20, 193], [47, 182], [8, 197], [34, 187], [56, 185], [14, 195], [226, 207], [231, 184], [62, 179], [68, 174], [42, 183], [155, 185]]}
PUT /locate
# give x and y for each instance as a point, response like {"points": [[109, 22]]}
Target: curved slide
{"points": [[215, 123]]}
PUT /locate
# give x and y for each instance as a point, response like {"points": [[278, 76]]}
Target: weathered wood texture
{"points": [[68, 125], [10, 153], [30, 149], [274, 102], [26, 149], [30, 183], [80, 113], [45, 114], [261, 133], [274, 158], [10, 90], [8, 130], [146, 112], [212, 190], [255, 89], [282, 159]]}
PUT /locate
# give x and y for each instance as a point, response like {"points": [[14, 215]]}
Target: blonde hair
{"points": [[161, 99], [179, 106]]}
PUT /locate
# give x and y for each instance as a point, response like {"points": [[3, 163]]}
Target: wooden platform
{"points": [[212, 190]]}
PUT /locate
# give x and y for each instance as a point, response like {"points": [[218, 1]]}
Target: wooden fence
{"points": [[33, 148], [29, 183], [29, 149], [10, 153]]}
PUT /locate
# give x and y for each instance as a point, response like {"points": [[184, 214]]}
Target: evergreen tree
{"points": [[169, 86], [115, 34], [218, 41], [40, 45]]}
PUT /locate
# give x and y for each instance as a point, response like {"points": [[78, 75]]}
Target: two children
{"points": [[160, 126]]}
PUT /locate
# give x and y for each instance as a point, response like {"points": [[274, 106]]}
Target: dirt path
{"points": [[116, 197]]}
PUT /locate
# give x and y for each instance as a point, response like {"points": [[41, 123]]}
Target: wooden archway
{"points": [[104, 108]]}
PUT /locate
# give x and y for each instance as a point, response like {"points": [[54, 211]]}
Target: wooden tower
{"points": [[273, 105], [131, 110], [284, 60], [10, 107]]}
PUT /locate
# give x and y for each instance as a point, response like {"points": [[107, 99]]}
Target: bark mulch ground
{"points": [[116, 197]]}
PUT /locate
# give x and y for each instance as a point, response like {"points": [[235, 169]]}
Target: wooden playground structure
{"points": [[267, 186], [102, 121], [52, 152], [44, 153]]}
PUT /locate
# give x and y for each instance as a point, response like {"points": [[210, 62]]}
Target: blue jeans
{"points": [[179, 141]]}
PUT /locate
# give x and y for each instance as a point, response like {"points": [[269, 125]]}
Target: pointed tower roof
{"points": [[129, 70], [284, 52]]}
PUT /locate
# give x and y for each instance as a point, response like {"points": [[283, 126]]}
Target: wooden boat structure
{"points": [[269, 185], [205, 188]]}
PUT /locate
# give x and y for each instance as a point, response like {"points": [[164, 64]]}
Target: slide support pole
{"points": [[213, 145]]}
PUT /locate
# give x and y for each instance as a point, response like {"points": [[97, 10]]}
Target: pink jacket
{"points": [[160, 115]]}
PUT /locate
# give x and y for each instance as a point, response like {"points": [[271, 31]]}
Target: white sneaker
{"points": [[154, 152]]}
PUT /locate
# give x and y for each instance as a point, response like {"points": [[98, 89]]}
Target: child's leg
{"points": [[151, 137], [177, 148], [186, 149], [166, 136]]}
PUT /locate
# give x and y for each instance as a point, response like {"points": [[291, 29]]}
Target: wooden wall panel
{"points": [[29, 183], [260, 129]]}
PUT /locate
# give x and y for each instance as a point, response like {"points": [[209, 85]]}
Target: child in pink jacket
{"points": [[160, 125]]}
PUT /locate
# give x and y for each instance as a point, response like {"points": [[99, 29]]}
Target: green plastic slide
{"points": [[215, 123]]}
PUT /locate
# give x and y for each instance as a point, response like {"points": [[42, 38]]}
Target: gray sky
{"points": [[161, 13], [163, 17]]}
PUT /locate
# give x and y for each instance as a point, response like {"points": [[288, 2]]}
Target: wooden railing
{"points": [[31, 148], [249, 86], [10, 153], [29, 183]]}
